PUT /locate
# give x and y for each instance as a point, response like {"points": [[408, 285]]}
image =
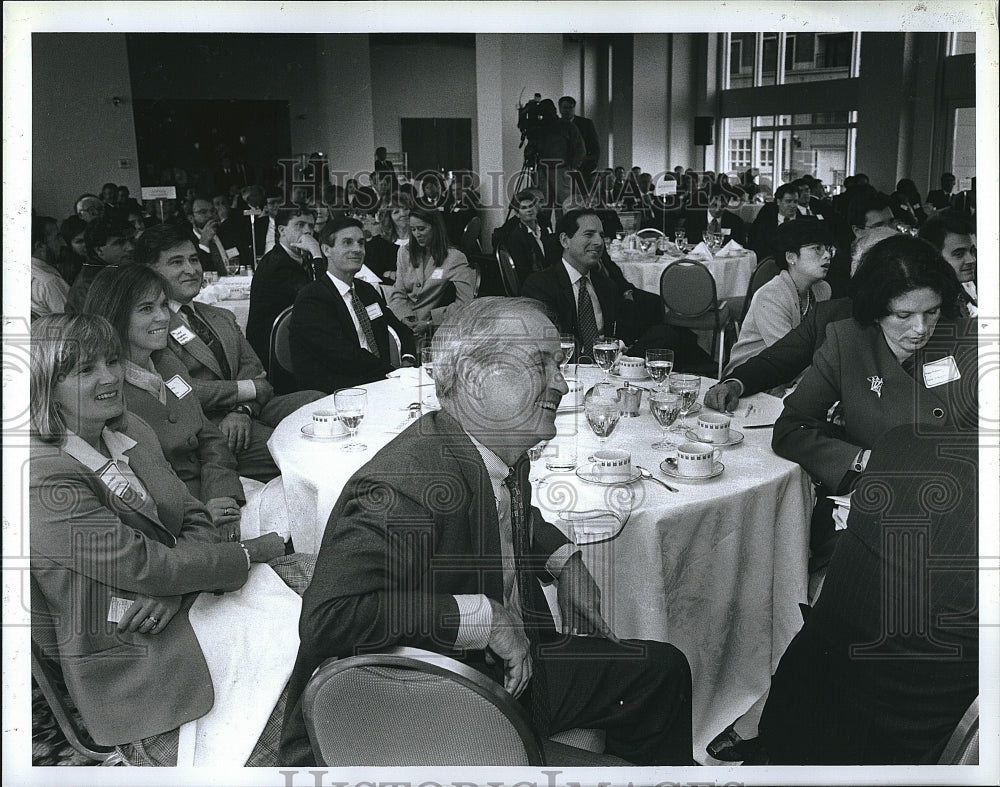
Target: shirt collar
{"points": [[342, 287], [174, 306], [574, 274], [496, 468], [146, 379], [84, 453]]}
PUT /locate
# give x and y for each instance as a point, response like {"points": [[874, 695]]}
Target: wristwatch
{"points": [[243, 408]]}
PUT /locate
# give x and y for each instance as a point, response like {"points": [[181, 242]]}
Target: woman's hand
{"points": [[226, 515], [149, 614]]}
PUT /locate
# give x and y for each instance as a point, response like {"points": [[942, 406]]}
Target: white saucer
{"points": [[585, 473], [307, 431], [671, 471], [735, 438], [643, 378]]}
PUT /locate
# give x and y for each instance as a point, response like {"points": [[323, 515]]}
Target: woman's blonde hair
{"points": [[61, 343], [385, 221]]}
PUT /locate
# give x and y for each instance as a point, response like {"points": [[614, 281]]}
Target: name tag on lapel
{"points": [[438, 274], [230, 253], [374, 311], [114, 480], [118, 608], [941, 372], [182, 334], [727, 231], [179, 386]]}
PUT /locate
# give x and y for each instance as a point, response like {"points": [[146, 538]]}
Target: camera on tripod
{"points": [[530, 120]]}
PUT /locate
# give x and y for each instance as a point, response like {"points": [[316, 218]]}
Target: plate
{"points": [[585, 473], [735, 438], [642, 378], [307, 431], [671, 471]]}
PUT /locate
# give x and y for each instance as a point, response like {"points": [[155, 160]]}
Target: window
{"points": [[739, 153], [758, 59], [836, 50], [961, 43]]}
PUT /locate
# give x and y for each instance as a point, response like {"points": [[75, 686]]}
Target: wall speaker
{"points": [[704, 130]]}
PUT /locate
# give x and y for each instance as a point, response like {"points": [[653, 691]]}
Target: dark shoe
{"points": [[728, 746]]}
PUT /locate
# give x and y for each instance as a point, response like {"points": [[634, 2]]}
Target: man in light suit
{"points": [[455, 486], [339, 332], [226, 373], [567, 110]]}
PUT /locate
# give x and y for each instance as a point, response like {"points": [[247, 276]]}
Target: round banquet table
{"points": [[717, 568], [229, 292], [731, 273]]}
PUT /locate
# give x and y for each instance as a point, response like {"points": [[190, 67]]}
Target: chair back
{"points": [[650, 232], [279, 348], [409, 707], [963, 745], [688, 289], [766, 270], [470, 237], [629, 220], [508, 273], [395, 348]]}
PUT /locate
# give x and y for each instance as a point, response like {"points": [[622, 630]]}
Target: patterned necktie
{"points": [[586, 320], [364, 322], [714, 226], [524, 572], [204, 332]]}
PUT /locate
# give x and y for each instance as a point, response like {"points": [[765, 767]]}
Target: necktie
{"points": [[525, 576], [207, 335], [714, 226], [585, 319], [364, 322]]}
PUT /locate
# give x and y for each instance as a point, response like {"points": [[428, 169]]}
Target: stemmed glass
{"points": [[605, 354], [534, 454], [351, 404], [567, 344], [665, 407], [680, 238], [659, 363], [603, 411], [687, 386], [427, 364]]}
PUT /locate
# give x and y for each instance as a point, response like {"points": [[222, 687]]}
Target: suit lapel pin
{"points": [[876, 382]]}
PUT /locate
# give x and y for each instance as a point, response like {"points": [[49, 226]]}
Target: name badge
{"points": [[727, 230], [940, 372], [438, 274], [114, 480], [230, 253], [182, 335], [179, 386], [374, 311], [118, 608]]}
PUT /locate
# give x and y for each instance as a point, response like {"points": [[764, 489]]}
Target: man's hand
{"points": [[226, 515], [149, 614], [580, 601], [265, 393], [236, 428], [509, 642], [265, 548], [308, 246], [208, 231], [724, 396]]}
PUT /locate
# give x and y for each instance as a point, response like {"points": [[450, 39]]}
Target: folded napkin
{"points": [[410, 376], [699, 252], [591, 526], [731, 249]]}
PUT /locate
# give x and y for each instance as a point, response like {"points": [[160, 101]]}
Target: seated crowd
{"points": [[151, 413]]}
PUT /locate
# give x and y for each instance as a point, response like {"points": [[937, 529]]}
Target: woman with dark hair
{"points": [[461, 205], [887, 366], [120, 551], [73, 255], [157, 389], [905, 202], [806, 250], [433, 279], [382, 251]]}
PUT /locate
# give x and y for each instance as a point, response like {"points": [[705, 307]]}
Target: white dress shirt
{"points": [[345, 293]]}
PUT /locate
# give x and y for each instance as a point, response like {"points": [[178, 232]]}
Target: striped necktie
{"points": [[204, 332], [364, 322], [586, 320]]}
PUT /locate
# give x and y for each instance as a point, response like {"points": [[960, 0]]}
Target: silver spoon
{"points": [[650, 477]]}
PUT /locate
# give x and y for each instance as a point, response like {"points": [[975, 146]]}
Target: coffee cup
{"points": [[631, 368], [612, 465], [713, 428], [324, 422], [696, 459]]}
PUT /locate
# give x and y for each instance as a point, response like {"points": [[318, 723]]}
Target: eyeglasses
{"points": [[819, 248]]}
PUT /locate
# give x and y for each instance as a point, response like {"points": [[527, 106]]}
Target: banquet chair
{"points": [[47, 674], [411, 707], [650, 232], [508, 273], [963, 745], [279, 349], [395, 348], [470, 237], [766, 270], [690, 301]]}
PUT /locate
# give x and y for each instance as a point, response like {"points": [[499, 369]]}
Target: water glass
{"points": [[665, 407], [351, 405], [605, 353], [659, 364], [567, 344], [687, 386], [680, 238], [603, 416]]}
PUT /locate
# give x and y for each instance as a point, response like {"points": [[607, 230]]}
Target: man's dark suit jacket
{"points": [[788, 357], [528, 256], [326, 351], [209, 261], [412, 529], [273, 289], [552, 287], [696, 224], [586, 128]]}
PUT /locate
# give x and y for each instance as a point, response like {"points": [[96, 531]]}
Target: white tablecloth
{"points": [[232, 293], [717, 569], [731, 274]]}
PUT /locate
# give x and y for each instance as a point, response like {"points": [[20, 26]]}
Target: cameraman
{"points": [[558, 149]]}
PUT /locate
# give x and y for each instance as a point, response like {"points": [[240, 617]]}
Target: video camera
{"points": [[529, 121]]}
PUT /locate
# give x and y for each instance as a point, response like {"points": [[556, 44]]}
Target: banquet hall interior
{"points": [[182, 117]]}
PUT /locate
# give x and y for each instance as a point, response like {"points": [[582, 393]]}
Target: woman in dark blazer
{"points": [[158, 390], [119, 549]]}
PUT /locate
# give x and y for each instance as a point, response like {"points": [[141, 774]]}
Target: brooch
{"points": [[876, 382]]}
